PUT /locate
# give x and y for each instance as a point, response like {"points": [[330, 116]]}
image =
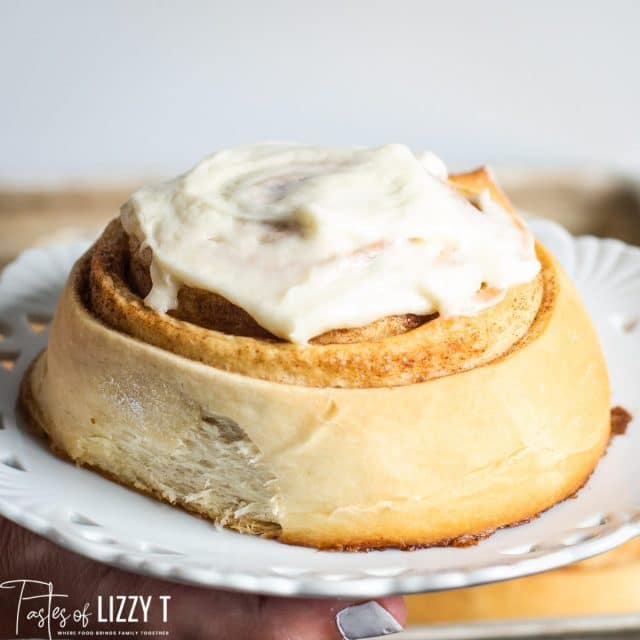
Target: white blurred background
{"points": [[112, 89]]}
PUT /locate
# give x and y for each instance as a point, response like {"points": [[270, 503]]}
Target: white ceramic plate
{"points": [[92, 516]]}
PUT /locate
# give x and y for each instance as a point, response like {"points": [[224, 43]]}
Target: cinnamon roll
{"points": [[341, 348]]}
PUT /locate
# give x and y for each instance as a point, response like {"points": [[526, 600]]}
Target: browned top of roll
{"points": [[395, 350]]}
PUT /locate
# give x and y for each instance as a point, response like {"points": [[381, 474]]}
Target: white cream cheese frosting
{"points": [[307, 239]]}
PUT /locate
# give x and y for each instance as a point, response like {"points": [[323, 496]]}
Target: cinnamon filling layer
{"points": [[212, 311], [440, 347]]}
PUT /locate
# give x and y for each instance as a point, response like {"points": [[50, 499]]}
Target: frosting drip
{"points": [[307, 239]]}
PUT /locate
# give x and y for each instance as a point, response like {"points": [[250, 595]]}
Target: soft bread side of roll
{"points": [[417, 464]]}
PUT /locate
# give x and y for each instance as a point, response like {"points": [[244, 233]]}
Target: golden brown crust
{"points": [[459, 542], [440, 347], [396, 350], [620, 419], [473, 183]]}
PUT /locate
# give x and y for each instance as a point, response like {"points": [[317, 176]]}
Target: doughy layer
{"points": [[401, 466]]}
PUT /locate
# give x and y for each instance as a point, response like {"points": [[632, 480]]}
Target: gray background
{"points": [[115, 88]]}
